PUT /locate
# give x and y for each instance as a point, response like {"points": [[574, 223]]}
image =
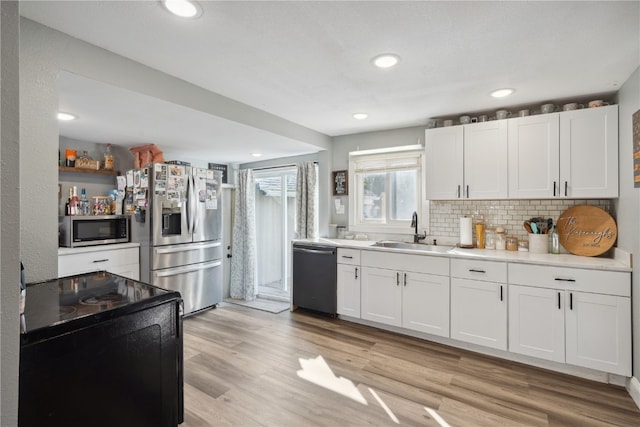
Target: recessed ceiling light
{"points": [[386, 60], [65, 117], [183, 8], [501, 93], [360, 116], [256, 154]]}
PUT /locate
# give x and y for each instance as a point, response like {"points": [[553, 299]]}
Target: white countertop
{"points": [[97, 248], [621, 262]]}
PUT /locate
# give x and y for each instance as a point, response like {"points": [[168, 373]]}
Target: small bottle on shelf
{"points": [[85, 208], [67, 205], [108, 158], [74, 204]]}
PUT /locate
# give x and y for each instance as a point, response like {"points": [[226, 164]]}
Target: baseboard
{"points": [[633, 387]]}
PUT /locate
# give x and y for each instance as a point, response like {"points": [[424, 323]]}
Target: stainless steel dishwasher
{"points": [[315, 277]]}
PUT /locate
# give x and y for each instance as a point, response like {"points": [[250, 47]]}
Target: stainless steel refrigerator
{"points": [[177, 219]]}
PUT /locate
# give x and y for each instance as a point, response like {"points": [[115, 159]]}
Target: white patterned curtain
{"points": [[244, 283], [307, 200]]}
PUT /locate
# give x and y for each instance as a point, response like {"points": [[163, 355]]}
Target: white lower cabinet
{"points": [[131, 271], [479, 302], [123, 261], [598, 332], [564, 318], [349, 273], [536, 322], [576, 316], [409, 291], [425, 303], [381, 296]]}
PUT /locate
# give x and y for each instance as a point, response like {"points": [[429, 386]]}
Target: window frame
{"points": [[356, 196]]}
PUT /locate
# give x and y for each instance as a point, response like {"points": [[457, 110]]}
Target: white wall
{"points": [[9, 212], [628, 205]]}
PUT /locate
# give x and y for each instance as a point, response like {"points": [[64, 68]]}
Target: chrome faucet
{"points": [[414, 223]]}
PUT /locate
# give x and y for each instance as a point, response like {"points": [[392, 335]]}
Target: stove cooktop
{"points": [[67, 299]]}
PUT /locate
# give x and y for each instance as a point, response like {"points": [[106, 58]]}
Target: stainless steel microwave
{"points": [[77, 231]]}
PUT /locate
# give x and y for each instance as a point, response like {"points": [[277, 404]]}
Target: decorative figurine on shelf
{"points": [[145, 154]]}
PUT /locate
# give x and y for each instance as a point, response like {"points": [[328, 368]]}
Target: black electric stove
{"points": [[100, 349]]}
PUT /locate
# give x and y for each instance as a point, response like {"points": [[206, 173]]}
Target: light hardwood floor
{"points": [[243, 367]]}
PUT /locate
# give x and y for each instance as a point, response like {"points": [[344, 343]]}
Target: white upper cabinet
{"points": [[467, 162], [534, 156], [445, 173], [571, 154], [485, 160], [589, 153]]}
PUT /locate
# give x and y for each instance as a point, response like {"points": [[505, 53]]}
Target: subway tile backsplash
{"points": [[510, 214]]}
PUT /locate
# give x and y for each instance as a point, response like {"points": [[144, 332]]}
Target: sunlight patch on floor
{"points": [[384, 406], [437, 417], [318, 372]]}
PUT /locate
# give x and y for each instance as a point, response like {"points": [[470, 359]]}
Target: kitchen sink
{"points": [[412, 246]]}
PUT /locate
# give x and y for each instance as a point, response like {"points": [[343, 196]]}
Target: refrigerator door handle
{"points": [[187, 269], [189, 203], [184, 248], [194, 203]]}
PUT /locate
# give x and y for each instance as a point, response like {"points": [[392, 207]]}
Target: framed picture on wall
{"points": [[340, 183], [636, 148]]}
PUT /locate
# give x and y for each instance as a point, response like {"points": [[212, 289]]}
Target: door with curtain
{"points": [[275, 204]]}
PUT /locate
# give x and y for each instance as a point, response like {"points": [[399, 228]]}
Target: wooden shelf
{"points": [[92, 171]]}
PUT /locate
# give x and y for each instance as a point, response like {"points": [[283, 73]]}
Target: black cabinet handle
{"points": [[501, 296], [473, 270], [458, 191], [101, 260], [570, 300], [566, 183], [356, 272], [405, 279], [560, 279], [397, 279], [554, 189], [467, 191], [347, 257], [559, 307]]}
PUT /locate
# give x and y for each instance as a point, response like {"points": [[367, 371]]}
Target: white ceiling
{"points": [[309, 62]]}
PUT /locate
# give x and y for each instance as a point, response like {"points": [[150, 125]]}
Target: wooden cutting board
{"points": [[587, 230]]}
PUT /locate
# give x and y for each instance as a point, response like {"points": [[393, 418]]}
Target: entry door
{"points": [[275, 218]]}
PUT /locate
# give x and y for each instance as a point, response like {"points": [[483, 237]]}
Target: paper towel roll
{"points": [[466, 231]]}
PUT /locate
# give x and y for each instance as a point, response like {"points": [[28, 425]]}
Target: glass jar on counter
{"points": [[490, 238], [501, 241], [478, 225], [511, 243], [523, 246]]}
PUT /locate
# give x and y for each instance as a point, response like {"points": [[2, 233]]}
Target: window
{"points": [[386, 189]]}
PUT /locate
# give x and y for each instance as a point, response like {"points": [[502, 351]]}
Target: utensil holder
{"points": [[539, 243]]}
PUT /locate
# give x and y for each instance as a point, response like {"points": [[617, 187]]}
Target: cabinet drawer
{"points": [[489, 271], [92, 261], [348, 256], [427, 264], [573, 279]]}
